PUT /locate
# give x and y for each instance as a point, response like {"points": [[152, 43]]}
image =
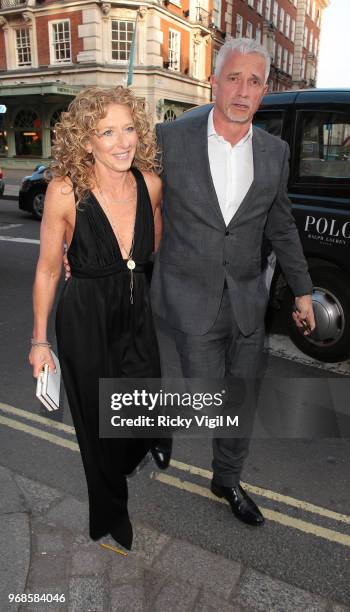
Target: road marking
{"points": [[283, 499], [39, 433], [26, 240], [272, 515], [7, 226], [37, 418], [191, 469]]}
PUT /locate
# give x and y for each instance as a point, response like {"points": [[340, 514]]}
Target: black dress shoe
{"points": [[242, 506], [161, 452]]}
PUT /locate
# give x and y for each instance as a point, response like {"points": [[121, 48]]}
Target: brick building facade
{"points": [[289, 29], [50, 49]]}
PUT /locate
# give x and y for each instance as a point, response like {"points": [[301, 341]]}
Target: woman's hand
{"points": [[67, 272], [38, 356]]}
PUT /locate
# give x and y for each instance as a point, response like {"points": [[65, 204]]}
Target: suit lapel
{"points": [[198, 160], [259, 150]]}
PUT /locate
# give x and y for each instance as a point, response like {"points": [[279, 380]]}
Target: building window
{"points": [[311, 42], [174, 50], [285, 60], [249, 30], [267, 9], [122, 33], [290, 63], [169, 116], [60, 47], [279, 57], [316, 46], [275, 13], [308, 7], [302, 69], [259, 7], [217, 13], [281, 20], [251, 3], [258, 33], [306, 34], [24, 55], [313, 12], [27, 126], [239, 26], [292, 30], [287, 25]]}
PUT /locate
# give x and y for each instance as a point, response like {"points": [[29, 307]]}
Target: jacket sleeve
{"points": [[282, 231]]}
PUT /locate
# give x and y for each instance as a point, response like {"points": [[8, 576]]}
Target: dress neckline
{"points": [[107, 221]]}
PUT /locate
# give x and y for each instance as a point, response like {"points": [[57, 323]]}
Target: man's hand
{"points": [[303, 314], [67, 273]]}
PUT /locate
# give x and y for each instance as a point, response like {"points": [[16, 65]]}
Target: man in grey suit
{"points": [[224, 188]]}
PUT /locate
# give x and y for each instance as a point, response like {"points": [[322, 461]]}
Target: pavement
{"points": [[46, 550]]}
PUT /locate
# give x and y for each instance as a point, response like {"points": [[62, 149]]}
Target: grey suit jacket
{"points": [[198, 252]]}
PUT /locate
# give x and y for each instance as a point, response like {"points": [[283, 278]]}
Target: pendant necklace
{"points": [[130, 263]]}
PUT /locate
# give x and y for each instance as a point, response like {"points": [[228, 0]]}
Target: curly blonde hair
{"points": [[78, 124]]}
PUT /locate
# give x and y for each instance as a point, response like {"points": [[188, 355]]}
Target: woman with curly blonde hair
{"points": [[104, 202]]}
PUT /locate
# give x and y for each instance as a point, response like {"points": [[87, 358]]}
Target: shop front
{"points": [[27, 125]]}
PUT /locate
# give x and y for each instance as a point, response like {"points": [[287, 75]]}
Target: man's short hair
{"points": [[243, 46]]}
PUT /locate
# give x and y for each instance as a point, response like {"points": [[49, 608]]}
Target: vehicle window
{"points": [[324, 146], [270, 121]]}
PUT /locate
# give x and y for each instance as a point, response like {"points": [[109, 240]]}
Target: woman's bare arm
{"points": [[57, 211]]}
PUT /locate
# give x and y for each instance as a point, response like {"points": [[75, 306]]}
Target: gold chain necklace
{"points": [[131, 265]]}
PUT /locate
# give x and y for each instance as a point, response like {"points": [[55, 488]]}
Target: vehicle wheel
{"points": [[330, 341], [38, 204]]}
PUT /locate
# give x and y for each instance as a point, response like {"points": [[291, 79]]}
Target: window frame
{"points": [[121, 20], [28, 31], [53, 60], [249, 26], [239, 19], [178, 37]]}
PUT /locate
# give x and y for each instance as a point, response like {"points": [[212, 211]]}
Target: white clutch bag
{"points": [[48, 386]]}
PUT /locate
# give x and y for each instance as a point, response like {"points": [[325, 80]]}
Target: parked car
{"points": [[2, 183], [316, 125], [32, 192]]}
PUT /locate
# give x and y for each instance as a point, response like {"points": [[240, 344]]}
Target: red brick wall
{"points": [[3, 65], [43, 34]]}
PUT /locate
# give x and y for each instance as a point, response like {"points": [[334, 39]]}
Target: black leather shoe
{"points": [[161, 452], [242, 506]]}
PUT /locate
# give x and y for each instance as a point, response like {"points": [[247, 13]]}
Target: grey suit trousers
{"points": [[224, 352]]}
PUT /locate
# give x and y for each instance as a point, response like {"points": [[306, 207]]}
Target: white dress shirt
{"points": [[231, 167]]}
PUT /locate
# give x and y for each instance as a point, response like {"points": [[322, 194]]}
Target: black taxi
{"points": [[316, 125]]}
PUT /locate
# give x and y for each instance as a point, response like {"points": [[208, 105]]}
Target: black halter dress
{"points": [[100, 334]]}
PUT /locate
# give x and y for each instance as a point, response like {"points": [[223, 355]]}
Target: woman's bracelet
{"points": [[38, 343]]}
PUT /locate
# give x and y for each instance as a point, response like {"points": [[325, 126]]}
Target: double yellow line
{"points": [[186, 485]]}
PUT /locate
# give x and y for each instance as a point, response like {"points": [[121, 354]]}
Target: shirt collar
{"points": [[212, 131]]}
